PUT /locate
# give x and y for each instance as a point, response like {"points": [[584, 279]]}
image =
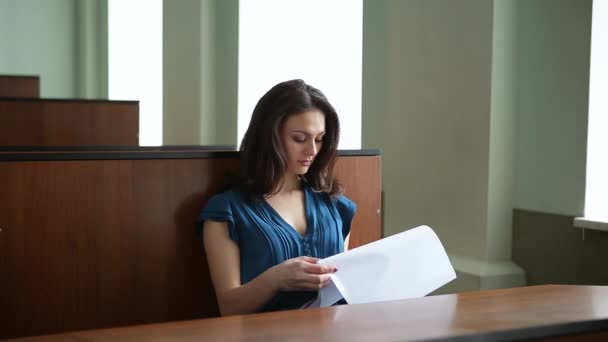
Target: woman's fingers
{"points": [[317, 268], [308, 286], [308, 259], [305, 273], [310, 265], [314, 279]]}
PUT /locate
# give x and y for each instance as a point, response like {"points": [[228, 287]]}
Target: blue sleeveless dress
{"points": [[265, 239]]}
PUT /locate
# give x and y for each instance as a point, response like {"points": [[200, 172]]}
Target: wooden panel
{"points": [[548, 313], [68, 122], [590, 337], [102, 243], [19, 86], [578, 260], [361, 177], [134, 150]]}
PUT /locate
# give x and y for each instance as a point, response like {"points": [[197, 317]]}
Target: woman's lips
{"points": [[305, 162]]}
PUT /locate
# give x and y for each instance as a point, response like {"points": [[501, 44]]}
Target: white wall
{"points": [[501, 187], [432, 117], [39, 38], [553, 53], [200, 72], [183, 86], [444, 115]]}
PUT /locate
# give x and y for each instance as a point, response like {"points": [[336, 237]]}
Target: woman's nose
{"points": [[311, 149]]}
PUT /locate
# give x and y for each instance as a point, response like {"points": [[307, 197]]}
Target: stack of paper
{"points": [[406, 265]]}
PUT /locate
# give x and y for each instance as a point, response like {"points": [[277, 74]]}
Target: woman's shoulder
{"points": [[219, 207], [340, 204], [227, 195], [225, 198], [344, 203], [341, 201]]}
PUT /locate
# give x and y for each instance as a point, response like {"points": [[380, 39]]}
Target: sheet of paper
{"points": [[410, 264], [330, 296]]}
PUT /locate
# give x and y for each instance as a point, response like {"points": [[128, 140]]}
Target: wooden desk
{"points": [[551, 313]]}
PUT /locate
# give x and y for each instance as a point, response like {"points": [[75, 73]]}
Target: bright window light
{"points": [[135, 65], [319, 41], [596, 193]]}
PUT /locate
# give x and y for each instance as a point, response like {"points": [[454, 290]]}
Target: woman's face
{"points": [[302, 137]]}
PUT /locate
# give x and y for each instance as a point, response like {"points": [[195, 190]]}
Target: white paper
{"points": [[410, 264], [330, 296]]}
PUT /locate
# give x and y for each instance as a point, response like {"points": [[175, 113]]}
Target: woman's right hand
{"points": [[301, 273]]}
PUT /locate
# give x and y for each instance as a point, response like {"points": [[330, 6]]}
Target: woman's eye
{"points": [[303, 140]]}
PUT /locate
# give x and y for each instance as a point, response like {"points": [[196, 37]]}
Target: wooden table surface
{"points": [[508, 314]]}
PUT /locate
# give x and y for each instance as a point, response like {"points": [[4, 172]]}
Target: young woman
{"points": [[263, 238]]}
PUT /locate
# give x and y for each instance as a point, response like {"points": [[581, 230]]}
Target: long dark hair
{"points": [[263, 159]]}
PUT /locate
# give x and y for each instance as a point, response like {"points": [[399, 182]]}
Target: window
{"points": [[596, 192], [319, 41], [135, 66]]}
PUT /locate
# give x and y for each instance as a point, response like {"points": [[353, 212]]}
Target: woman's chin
{"points": [[301, 171]]}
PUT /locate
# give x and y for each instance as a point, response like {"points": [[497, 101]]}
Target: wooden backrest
{"points": [[102, 239], [58, 122], [19, 86]]}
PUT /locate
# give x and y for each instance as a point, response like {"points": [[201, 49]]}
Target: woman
{"points": [[263, 238]]}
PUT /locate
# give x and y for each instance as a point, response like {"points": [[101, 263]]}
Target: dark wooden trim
{"points": [[363, 152], [119, 155], [137, 154], [36, 99], [117, 148], [546, 332], [20, 76]]}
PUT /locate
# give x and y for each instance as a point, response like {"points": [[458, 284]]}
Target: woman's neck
{"points": [[291, 182]]}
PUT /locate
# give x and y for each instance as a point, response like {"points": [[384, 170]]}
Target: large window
{"points": [[319, 41], [596, 193], [135, 66]]}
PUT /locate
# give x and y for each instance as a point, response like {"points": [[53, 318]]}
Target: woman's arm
{"points": [[223, 257]]}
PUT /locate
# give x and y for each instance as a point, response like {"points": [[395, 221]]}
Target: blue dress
{"points": [[265, 239]]}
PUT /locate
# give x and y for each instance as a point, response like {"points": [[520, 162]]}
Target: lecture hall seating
{"points": [[19, 86], [105, 237], [27, 120], [98, 232]]}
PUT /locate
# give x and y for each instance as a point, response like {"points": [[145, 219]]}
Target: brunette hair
{"points": [[263, 158]]}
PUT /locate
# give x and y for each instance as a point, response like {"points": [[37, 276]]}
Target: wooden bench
{"points": [[62, 122], [93, 239], [19, 86]]}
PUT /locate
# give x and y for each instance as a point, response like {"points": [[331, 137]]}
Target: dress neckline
{"points": [[284, 224]]}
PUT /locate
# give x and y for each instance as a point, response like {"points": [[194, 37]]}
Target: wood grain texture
{"points": [[37, 122], [19, 86], [362, 179], [539, 313], [104, 243]]}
